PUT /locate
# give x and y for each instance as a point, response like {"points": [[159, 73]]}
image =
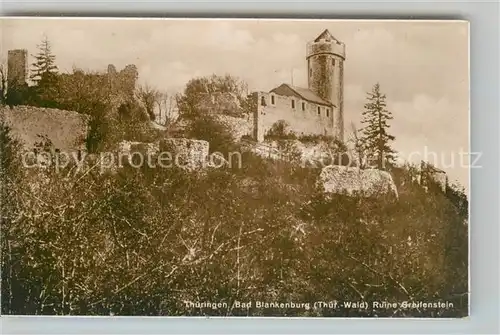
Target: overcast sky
{"points": [[422, 67]]}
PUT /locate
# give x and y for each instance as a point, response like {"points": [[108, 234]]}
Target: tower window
{"points": [[327, 112], [293, 103], [262, 101], [310, 72], [319, 110], [333, 62], [303, 106], [272, 99]]}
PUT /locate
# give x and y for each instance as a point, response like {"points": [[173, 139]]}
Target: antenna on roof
{"points": [[291, 75]]}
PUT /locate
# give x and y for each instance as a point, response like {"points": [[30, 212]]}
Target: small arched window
{"points": [[263, 101]]}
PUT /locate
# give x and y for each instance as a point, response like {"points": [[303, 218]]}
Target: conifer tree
{"points": [[44, 64], [44, 75], [375, 137]]}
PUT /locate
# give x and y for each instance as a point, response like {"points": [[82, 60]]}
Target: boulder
{"points": [[355, 181], [186, 153]]}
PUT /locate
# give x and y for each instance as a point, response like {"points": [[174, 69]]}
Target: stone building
{"points": [[123, 82], [315, 110], [119, 85], [17, 76], [17, 67]]}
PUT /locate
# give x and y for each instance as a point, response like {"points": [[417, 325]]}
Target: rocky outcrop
{"points": [[308, 154], [439, 178], [186, 153], [430, 176], [354, 181]]}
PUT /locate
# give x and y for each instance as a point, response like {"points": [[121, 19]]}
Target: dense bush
{"points": [[280, 130], [144, 241], [208, 128]]}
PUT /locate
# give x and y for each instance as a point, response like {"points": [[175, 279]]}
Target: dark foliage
{"points": [[280, 130]]}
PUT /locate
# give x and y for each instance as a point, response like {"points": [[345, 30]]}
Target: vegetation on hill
{"points": [[197, 87], [147, 241], [115, 116]]}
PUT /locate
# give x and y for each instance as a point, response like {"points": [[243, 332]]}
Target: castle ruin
{"points": [[316, 110], [32, 124], [17, 67]]}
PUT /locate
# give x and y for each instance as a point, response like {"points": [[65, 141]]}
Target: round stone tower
{"points": [[325, 66]]}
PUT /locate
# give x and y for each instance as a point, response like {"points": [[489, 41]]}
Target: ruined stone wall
{"points": [[66, 130], [238, 126], [188, 153], [315, 119], [122, 84], [309, 152], [17, 67]]}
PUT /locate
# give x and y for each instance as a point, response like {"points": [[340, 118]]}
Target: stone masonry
{"points": [[316, 110], [62, 130]]}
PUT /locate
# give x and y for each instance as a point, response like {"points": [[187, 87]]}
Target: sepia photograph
{"points": [[235, 167]]}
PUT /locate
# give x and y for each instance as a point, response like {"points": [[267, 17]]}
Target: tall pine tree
{"points": [[44, 74], [375, 137], [44, 63]]}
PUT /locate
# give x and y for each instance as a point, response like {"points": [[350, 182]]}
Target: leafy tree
{"points": [[196, 88], [149, 97], [375, 137], [159, 105], [358, 149]]}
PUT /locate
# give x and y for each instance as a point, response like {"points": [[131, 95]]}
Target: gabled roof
{"points": [[299, 92], [327, 36]]}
